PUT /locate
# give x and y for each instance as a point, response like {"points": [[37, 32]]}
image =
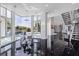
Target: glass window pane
{"points": [[8, 23], [3, 11], [5, 40], [18, 25], [17, 20], [26, 21], [5, 25], [22, 24], [2, 26], [37, 24], [8, 14]]}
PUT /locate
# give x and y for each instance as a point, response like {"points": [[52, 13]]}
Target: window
{"points": [[3, 11], [17, 20], [8, 23], [8, 14], [37, 24], [5, 22], [22, 24], [2, 27], [66, 17], [5, 26], [17, 24], [26, 22]]}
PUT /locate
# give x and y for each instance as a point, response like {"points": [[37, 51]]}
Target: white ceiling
{"points": [[53, 9]]}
